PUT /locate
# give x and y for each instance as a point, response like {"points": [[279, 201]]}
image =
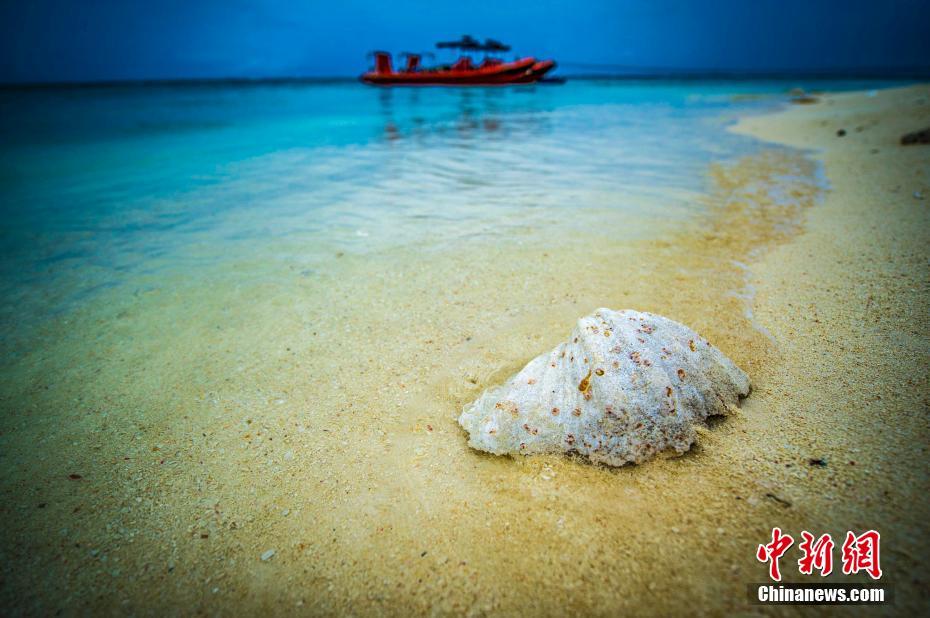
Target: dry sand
{"points": [[314, 416]]}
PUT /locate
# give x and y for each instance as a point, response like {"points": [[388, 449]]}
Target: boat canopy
{"points": [[469, 43]]}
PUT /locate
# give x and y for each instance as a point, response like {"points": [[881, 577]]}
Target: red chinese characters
{"points": [[860, 553], [817, 554], [771, 552]]}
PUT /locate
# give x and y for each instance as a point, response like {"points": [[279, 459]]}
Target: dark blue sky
{"points": [[60, 40]]}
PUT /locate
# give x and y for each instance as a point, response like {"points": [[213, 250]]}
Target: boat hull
{"points": [[535, 72], [505, 73]]}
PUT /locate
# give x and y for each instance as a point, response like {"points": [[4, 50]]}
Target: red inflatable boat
{"points": [[492, 71]]}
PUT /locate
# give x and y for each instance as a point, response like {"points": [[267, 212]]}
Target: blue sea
{"points": [[100, 183]]}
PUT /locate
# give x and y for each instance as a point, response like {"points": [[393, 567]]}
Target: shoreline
{"points": [[847, 300], [316, 415]]}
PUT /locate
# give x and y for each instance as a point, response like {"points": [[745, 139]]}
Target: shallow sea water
{"points": [[247, 317], [100, 185]]}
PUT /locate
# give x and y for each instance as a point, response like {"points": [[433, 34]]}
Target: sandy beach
{"points": [[847, 302], [291, 445]]}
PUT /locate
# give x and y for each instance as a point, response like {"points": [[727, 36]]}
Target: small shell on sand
{"points": [[624, 387]]}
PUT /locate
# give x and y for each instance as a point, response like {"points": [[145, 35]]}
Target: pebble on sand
{"points": [[916, 137], [267, 555]]}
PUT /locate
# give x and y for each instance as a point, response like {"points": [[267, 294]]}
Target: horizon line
{"points": [[893, 73]]}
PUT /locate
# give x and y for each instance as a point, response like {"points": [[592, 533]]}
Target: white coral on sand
{"points": [[625, 386]]}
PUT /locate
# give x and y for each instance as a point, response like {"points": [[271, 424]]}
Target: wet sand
{"points": [[263, 407]]}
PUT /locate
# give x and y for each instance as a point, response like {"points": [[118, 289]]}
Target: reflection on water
{"points": [[471, 114]]}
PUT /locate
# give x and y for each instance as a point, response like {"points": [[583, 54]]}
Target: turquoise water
{"points": [[98, 185]]}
